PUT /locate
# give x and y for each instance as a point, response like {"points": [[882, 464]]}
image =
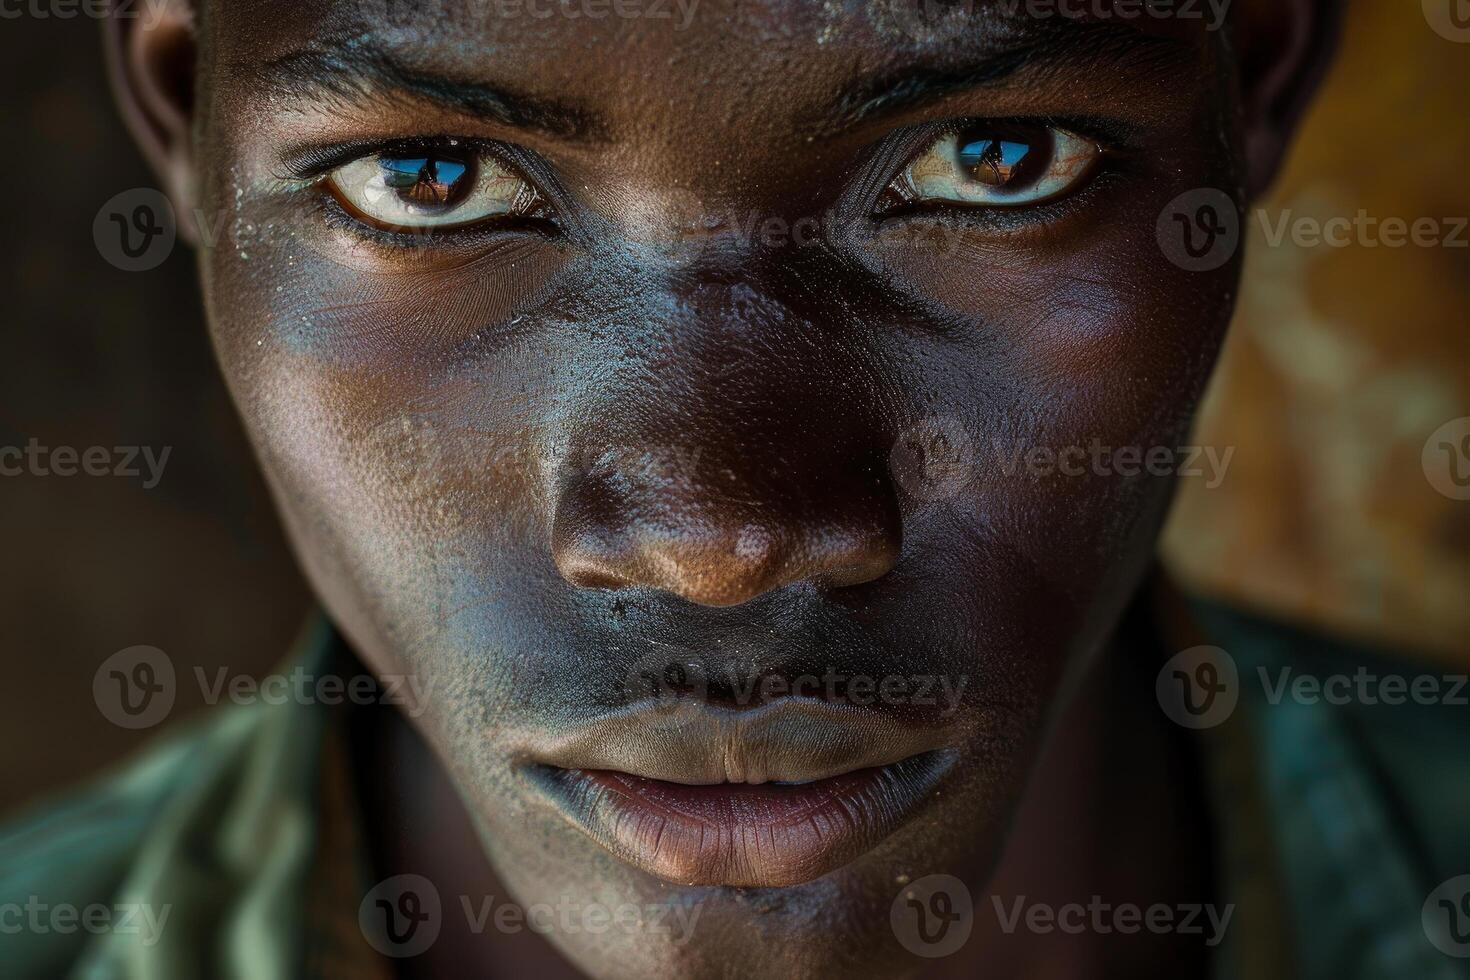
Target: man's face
{"points": [[719, 409]]}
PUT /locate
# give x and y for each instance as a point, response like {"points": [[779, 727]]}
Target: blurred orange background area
{"points": [[1344, 359]]}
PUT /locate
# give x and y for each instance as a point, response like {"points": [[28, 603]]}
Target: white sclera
{"points": [[936, 174], [363, 184]]}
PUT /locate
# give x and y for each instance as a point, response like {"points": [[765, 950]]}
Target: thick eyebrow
{"points": [[355, 74], [1062, 42]]}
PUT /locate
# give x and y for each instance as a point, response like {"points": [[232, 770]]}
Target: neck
{"points": [[1115, 815]]}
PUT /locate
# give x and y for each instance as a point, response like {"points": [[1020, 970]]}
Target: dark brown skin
{"points": [[428, 413]]}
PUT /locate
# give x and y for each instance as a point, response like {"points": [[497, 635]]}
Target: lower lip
{"points": [[744, 835]]}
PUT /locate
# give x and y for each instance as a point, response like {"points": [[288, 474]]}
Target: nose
{"points": [[719, 536], [750, 455]]}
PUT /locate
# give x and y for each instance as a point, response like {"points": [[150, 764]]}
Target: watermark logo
{"points": [[1198, 687], [408, 692], [1446, 459], [134, 688], [933, 917], [1450, 19], [938, 459], [672, 679], [925, 20], [135, 230], [1446, 917], [1199, 231], [401, 915], [570, 917], [668, 678], [933, 459], [477, 15]]}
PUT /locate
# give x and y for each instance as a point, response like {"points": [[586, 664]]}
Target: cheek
{"points": [[364, 372], [397, 476], [1073, 372], [288, 275]]}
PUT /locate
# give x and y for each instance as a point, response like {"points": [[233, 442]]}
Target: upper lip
{"points": [[791, 740]]}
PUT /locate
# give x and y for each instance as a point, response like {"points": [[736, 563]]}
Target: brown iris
{"points": [[999, 161], [427, 183]]}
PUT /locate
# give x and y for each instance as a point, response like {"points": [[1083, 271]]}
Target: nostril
{"points": [[699, 564], [861, 556], [589, 559], [715, 551], [586, 574]]}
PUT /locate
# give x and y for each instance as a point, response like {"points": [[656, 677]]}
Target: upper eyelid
{"points": [[326, 161], [313, 164], [1111, 148], [312, 161], [1100, 164], [1110, 135], [308, 163]]}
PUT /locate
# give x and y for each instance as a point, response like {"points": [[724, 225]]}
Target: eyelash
{"points": [[309, 167], [1119, 148], [311, 163], [1006, 221], [325, 207]]}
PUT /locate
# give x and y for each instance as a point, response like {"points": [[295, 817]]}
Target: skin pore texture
{"points": [[531, 460]]}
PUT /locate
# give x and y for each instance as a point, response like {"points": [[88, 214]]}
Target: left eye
{"points": [[998, 166], [433, 188]]}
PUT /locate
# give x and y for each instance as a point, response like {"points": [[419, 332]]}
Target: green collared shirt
{"points": [[232, 848]]}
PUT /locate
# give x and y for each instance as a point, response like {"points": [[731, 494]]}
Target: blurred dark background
{"points": [[1342, 362], [94, 356]]}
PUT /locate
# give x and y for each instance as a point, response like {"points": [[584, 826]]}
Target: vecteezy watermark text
{"points": [[463, 15], [300, 686], [1211, 12], [937, 458], [38, 917], [1365, 687], [149, 12], [1362, 230], [35, 459], [402, 916], [926, 19], [662, 675], [1201, 687], [1103, 917], [136, 688]]}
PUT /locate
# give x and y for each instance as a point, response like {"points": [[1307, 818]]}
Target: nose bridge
{"points": [[746, 461]]}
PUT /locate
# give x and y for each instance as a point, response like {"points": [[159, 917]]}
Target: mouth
{"points": [[769, 797]]}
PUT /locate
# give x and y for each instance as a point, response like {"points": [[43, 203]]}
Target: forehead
{"points": [[625, 61]]}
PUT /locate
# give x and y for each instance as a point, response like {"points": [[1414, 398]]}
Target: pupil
{"points": [[993, 162], [425, 183]]}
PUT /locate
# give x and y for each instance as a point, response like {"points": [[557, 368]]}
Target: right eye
{"points": [[999, 165], [431, 188]]}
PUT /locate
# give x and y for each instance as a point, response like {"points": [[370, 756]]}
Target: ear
{"points": [[1284, 48], [151, 55]]}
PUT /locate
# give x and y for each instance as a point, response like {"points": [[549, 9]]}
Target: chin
{"points": [[803, 920]]}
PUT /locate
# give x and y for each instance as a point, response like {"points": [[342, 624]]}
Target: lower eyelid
{"points": [[324, 206], [1105, 178]]}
